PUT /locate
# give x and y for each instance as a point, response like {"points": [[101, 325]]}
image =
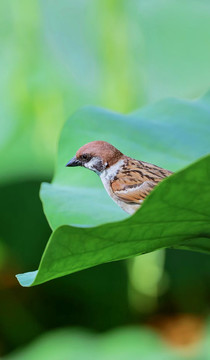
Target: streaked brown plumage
{"points": [[127, 181]]}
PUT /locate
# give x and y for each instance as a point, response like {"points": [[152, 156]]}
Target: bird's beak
{"points": [[74, 162]]}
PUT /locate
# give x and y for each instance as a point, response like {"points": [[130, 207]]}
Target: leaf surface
{"points": [[89, 228]]}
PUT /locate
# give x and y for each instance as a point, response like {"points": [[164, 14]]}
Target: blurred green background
{"points": [[56, 57]]}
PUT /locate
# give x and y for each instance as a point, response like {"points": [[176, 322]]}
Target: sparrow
{"points": [[127, 181]]}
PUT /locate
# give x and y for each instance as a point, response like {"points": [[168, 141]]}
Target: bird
{"points": [[126, 180]]}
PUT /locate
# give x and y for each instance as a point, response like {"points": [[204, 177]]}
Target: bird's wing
{"points": [[136, 180], [135, 195]]}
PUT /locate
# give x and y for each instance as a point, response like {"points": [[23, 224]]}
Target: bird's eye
{"points": [[85, 157]]}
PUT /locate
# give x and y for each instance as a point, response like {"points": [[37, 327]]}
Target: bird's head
{"points": [[96, 156]]}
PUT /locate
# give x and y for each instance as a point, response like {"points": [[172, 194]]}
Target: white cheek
{"points": [[93, 164], [90, 164]]}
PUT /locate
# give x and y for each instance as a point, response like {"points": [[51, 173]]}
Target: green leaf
{"points": [[171, 133], [120, 344]]}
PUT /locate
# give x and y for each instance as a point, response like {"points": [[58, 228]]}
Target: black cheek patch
{"points": [[99, 166]]}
